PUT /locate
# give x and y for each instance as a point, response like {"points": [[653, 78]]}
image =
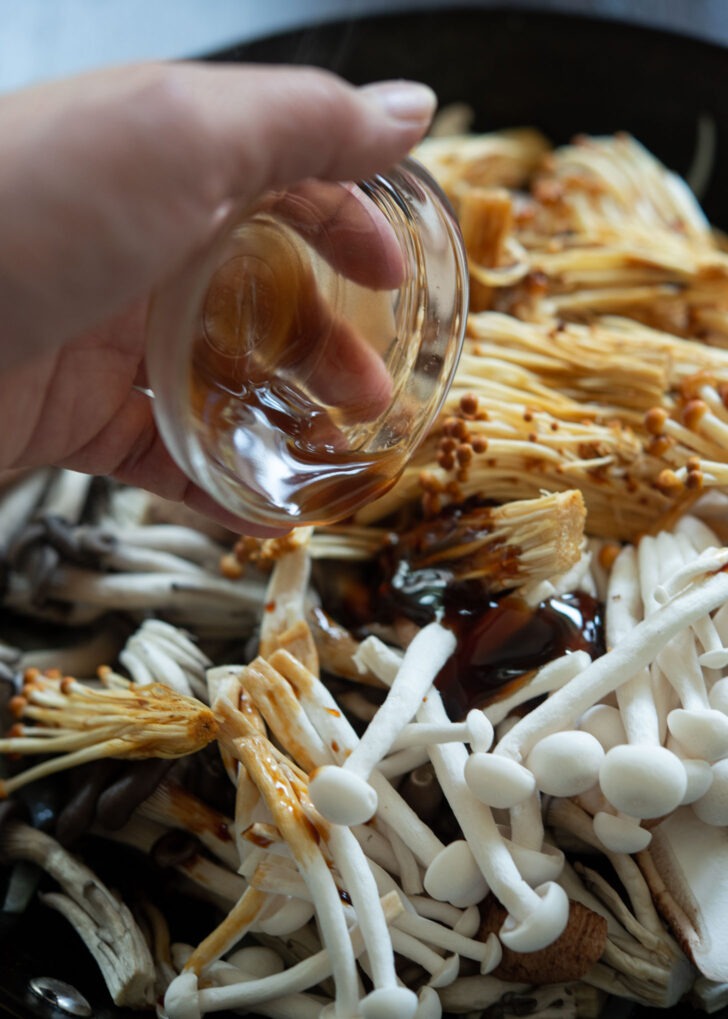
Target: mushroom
{"points": [[683, 867], [708, 589], [185, 999], [81, 723], [103, 922], [342, 793], [160, 652]]}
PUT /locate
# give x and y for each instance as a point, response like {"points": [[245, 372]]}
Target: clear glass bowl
{"points": [[298, 361]]}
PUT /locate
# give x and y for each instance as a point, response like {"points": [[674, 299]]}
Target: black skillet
{"points": [[563, 74]]}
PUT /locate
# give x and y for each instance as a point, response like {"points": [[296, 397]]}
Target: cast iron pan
{"points": [[563, 74]]}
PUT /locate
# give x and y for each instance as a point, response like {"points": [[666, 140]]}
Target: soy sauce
{"points": [[502, 641]]}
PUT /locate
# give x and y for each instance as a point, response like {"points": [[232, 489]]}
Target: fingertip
{"points": [[408, 102]]}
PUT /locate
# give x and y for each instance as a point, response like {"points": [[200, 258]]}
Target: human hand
{"points": [[112, 182]]}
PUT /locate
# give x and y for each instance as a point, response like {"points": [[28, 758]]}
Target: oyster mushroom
{"points": [[103, 922], [683, 867]]}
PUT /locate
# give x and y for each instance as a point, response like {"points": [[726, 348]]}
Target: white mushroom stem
{"points": [[549, 678], [66, 495], [182, 542], [407, 866], [442, 970], [335, 730], [161, 652], [476, 730], [157, 591], [464, 921], [285, 597], [278, 793], [343, 794], [606, 674], [526, 823], [402, 762], [147, 663], [709, 562], [624, 611], [20, 499], [701, 731], [362, 889], [565, 814], [442, 937], [536, 918], [249, 994], [698, 727]]}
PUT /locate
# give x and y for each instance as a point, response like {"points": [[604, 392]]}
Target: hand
{"points": [[111, 182]]}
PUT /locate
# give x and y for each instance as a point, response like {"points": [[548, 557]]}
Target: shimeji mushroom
{"points": [[708, 588], [535, 917], [698, 727], [338, 839], [103, 922], [622, 773], [342, 793], [642, 960], [185, 1000], [460, 880], [266, 770], [498, 779]]}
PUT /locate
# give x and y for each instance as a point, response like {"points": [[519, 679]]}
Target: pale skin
{"points": [[109, 183]]}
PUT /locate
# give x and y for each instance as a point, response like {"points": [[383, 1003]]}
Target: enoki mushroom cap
{"points": [[566, 763], [454, 876], [620, 834], [497, 780], [643, 781], [342, 796], [544, 924], [703, 733], [389, 1003]]}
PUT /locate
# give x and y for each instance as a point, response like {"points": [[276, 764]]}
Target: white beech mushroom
{"points": [[535, 917], [343, 794]]}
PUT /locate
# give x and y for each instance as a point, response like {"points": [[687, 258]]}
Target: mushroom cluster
{"points": [[466, 752]]}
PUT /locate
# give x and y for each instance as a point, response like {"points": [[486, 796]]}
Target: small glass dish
{"points": [[297, 362]]}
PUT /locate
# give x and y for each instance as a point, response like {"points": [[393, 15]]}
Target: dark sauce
{"points": [[501, 641]]}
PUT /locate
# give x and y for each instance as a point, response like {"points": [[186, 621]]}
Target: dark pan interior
{"points": [[563, 74]]}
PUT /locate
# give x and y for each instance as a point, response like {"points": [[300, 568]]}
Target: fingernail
{"points": [[403, 100]]}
